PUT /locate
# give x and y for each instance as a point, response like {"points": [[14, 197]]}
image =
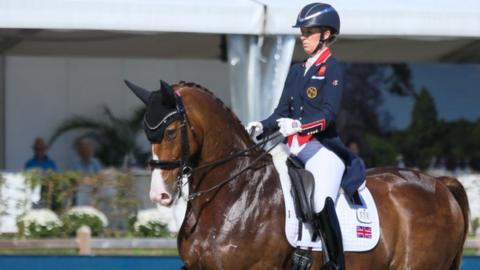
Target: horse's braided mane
{"points": [[221, 103]]}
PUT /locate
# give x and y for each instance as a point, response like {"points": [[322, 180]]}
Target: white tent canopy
{"points": [[387, 18], [376, 18], [213, 16], [393, 30], [259, 35]]}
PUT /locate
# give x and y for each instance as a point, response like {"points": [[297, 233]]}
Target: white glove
{"points": [[289, 126], [255, 127]]}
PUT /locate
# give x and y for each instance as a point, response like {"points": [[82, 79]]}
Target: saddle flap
{"points": [[303, 186]]}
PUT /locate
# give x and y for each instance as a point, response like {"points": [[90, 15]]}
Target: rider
{"points": [[306, 115]]}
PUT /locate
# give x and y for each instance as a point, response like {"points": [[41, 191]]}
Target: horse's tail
{"points": [[458, 191]]}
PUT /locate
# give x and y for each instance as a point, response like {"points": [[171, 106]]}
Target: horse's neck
{"points": [[251, 197], [223, 136], [253, 188], [222, 141]]}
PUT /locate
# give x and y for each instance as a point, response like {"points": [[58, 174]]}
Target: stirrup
{"points": [[301, 260]]}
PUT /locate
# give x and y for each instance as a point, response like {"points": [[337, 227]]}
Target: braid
{"points": [[219, 101]]}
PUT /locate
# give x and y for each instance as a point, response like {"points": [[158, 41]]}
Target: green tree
{"points": [[474, 142], [385, 152], [363, 92], [459, 141], [361, 114], [421, 137]]}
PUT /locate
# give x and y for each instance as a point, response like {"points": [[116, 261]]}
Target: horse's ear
{"points": [[142, 94], [168, 94]]}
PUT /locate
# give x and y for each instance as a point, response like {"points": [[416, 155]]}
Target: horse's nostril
{"points": [[162, 198]]}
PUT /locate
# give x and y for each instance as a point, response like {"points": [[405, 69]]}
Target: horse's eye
{"points": [[170, 134]]}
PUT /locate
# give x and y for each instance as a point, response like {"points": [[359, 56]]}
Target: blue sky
{"points": [[454, 87]]}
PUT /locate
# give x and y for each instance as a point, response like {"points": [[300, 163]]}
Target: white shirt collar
{"points": [[312, 59]]}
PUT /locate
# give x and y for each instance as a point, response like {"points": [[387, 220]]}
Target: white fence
{"points": [[16, 198], [85, 244]]}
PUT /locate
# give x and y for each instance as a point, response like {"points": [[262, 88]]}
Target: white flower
{"points": [[41, 217], [150, 216], [89, 211]]}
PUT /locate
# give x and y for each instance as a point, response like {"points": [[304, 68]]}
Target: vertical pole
{"points": [[84, 237], [254, 77], [256, 82], [238, 60], [275, 72], [477, 240], [2, 111]]}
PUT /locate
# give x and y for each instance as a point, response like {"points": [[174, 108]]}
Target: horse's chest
{"points": [[210, 249], [221, 236]]}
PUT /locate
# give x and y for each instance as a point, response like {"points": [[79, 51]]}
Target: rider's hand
{"points": [[289, 126], [254, 128]]}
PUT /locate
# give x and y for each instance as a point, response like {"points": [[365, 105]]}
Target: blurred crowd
{"points": [[84, 162]]}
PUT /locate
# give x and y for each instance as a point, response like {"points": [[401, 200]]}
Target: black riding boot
{"points": [[328, 228]]}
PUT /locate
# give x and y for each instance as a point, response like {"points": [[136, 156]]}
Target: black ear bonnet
{"points": [[163, 108]]}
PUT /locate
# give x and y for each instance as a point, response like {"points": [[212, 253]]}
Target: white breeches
{"points": [[327, 169]]}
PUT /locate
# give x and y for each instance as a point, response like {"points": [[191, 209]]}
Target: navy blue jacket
{"points": [[315, 100]]}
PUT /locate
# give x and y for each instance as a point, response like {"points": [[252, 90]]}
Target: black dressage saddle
{"points": [[303, 187]]}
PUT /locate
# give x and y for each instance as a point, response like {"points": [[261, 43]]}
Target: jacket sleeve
{"points": [[329, 105], [282, 109]]}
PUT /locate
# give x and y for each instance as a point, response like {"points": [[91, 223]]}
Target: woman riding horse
{"points": [[236, 212], [306, 115]]}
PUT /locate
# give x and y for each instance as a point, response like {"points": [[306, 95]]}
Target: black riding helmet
{"points": [[319, 14]]}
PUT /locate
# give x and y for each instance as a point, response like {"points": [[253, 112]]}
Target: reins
{"points": [[262, 143]]}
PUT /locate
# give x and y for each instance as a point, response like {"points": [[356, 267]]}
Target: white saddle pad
{"points": [[360, 226]]}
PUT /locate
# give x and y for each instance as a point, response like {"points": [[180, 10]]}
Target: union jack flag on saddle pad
{"points": [[364, 232], [359, 224]]}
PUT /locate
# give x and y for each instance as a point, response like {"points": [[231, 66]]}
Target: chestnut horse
{"points": [[239, 224]]}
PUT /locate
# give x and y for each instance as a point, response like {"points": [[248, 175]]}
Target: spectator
{"points": [[85, 162], [40, 159]]}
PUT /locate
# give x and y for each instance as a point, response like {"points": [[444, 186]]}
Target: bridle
{"points": [[184, 164], [186, 170]]}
